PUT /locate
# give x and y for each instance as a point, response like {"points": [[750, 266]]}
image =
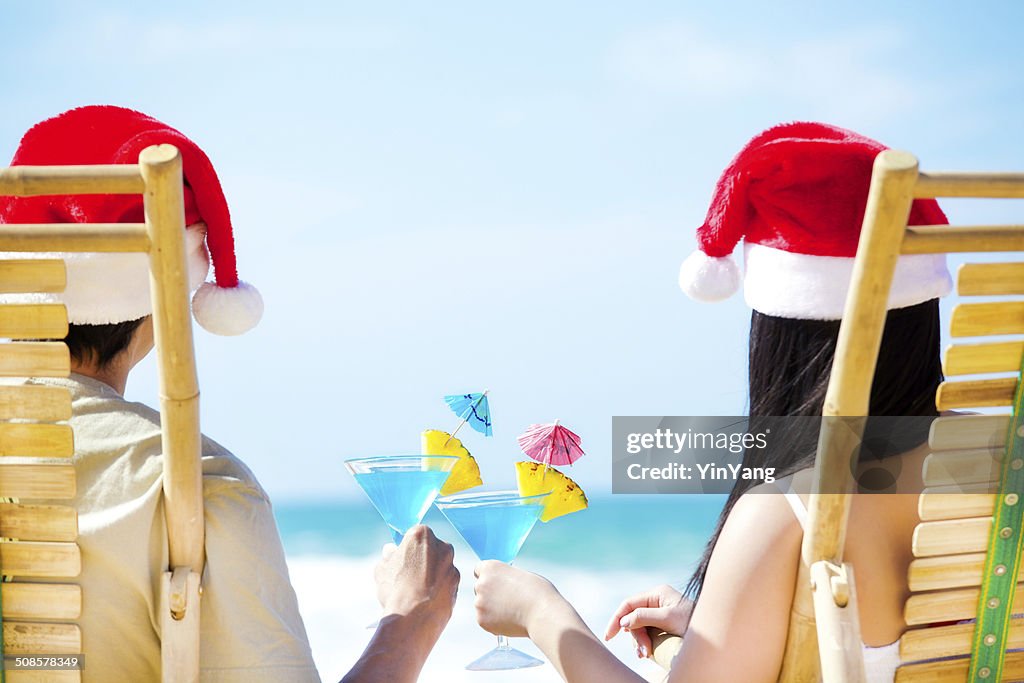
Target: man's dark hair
{"points": [[100, 344]]}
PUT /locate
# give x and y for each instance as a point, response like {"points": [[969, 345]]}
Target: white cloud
{"points": [[853, 74]]}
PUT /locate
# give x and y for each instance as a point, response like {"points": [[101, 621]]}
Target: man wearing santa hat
{"points": [[251, 629]]}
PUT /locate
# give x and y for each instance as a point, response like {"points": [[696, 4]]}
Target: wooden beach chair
{"points": [[962, 473], [38, 552], [952, 539]]}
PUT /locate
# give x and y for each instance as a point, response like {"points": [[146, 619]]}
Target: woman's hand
{"points": [[509, 599], [662, 607]]}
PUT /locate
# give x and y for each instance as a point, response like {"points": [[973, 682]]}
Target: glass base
{"points": [[504, 657]]}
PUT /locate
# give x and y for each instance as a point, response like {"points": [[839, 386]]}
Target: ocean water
{"points": [[619, 546]]}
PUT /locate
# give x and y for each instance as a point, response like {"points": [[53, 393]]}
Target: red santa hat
{"points": [[795, 196], [109, 288]]}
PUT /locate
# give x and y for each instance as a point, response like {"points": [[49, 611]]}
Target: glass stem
{"points": [[503, 643]]}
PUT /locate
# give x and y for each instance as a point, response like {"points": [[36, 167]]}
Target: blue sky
{"points": [[450, 197]]}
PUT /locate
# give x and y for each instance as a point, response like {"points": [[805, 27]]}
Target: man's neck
{"points": [[114, 375]]}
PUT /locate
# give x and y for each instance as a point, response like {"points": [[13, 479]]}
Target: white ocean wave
{"points": [[337, 599]]}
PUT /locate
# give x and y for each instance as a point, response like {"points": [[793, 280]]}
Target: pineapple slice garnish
{"points": [[566, 496], [465, 474]]}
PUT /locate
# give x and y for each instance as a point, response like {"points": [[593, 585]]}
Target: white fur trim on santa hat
{"points": [[112, 288], [805, 287], [707, 278], [227, 311]]}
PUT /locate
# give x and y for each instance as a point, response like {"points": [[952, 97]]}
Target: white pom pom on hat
{"points": [[227, 311], [795, 195], [709, 279], [108, 288]]}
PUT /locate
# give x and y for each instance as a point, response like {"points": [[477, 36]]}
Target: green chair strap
{"points": [[1002, 561]]}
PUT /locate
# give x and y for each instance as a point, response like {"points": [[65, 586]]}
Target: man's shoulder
{"points": [[222, 470], [107, 423]]}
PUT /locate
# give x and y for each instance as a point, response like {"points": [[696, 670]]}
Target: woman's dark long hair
{"points": [[789, 366]]}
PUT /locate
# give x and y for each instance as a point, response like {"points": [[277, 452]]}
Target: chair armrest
{"points": [[664, 647]]}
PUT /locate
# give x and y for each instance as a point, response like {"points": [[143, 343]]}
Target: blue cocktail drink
{"points": [[495, 525], [495, 531], [402, 494], [402, 487]]}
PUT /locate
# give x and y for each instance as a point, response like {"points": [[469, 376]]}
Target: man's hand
{"points": [[418, 577], [662, 608], [416, 584]]}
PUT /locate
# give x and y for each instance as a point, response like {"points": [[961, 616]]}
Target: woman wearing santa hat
{"points": [[795, 196]]}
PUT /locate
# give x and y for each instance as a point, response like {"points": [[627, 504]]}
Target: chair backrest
{"points": [[953, 537], [37, 526], [961, 477], [39, 556]]}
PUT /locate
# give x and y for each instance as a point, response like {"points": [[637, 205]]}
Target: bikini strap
{"points": [[799, 510]]}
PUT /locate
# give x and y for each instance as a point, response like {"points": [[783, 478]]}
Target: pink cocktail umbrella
{"points": [[551, 444]]}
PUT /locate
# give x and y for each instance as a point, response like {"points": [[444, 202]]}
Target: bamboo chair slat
{"points": [[982, 393], [951, 536], [981, 487], [948, 571], [29, 181], [35, 359], [936, 506], [977, 359], [40, 559], [75, 237], [972, 184], [990, 279], [32, 275], [948, 239], [949, 605], [954, 468], [38, 522], [979, 320], [961, 432], [42, 600], [28, 676], [955, 670], [43, 481], [37, 440], [33, 321], [28, 638], [949, 641], [40, 403]]}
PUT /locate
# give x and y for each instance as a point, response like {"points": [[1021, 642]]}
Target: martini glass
{"points": [[401, 487], [495, 525]]}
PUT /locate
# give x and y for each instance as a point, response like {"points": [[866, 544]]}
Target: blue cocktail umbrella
{"points": [[474, 411]]}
